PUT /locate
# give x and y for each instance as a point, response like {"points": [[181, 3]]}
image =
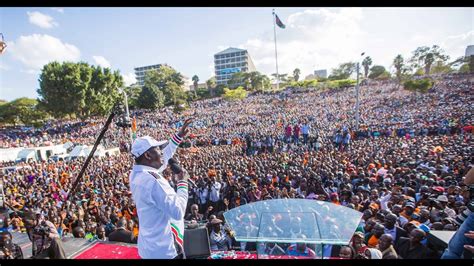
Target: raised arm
{"points": [[174, 142]]}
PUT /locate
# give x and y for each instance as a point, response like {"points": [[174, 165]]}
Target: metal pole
{"points": [[276, 54], [86, 163], [357, 97], [128, 116]]}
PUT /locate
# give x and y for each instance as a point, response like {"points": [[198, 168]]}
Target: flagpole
{"points": [[276, 54]]}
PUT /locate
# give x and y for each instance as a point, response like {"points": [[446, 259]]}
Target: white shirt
{"points": [[158, 205], [215, 192], [384, 201]]}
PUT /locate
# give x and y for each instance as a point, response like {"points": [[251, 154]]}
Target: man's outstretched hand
{"points": [[184, 129]]}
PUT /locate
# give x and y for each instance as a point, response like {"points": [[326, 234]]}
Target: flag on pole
{"points": [[278, 21], [134, 128]]}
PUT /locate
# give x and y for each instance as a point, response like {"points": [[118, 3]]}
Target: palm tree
{"points": [[366, 63], [296, 74], [398, 63], [211, 84], [425, 57], [195, 79], [254, 78]]}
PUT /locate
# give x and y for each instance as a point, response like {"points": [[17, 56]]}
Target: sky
{"points": [[187, 38]]}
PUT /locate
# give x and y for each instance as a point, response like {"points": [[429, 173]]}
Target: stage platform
{"points": [[77, 248]]}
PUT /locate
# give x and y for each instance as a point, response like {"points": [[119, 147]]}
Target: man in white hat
{"points": [[160, 208]]}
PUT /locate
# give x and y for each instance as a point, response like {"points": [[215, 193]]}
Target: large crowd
{"points": [[403, 168]]}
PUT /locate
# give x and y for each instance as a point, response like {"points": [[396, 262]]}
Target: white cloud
{"points": [[41, 20], [36, 50], [456, 45], [101, 61], [60, 10], [313, 39], [129, 79]]}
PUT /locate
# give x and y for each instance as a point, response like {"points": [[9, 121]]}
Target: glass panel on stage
{"points": [[293, 223]]}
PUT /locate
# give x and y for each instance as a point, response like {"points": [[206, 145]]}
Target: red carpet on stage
{"points": [[109, 251]]}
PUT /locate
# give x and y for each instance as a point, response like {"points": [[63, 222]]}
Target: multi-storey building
{"points": [[140, 73], [322, 73], [230, 61]]}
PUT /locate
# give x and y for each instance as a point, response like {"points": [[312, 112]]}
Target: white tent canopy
{"points": [[26, 154], [7, 155], [83, 151]]}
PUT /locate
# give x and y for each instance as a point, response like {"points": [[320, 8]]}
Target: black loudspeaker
{"points": [[196, 243]]}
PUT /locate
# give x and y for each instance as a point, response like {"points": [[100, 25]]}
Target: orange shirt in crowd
{"points": [[135, 231], [211, 172], [373, 242]]}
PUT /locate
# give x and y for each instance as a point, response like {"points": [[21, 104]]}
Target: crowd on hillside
{"points": [[402, 169]]}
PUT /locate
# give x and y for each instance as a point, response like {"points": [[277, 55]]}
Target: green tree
{"points": [[266, 83], [384, 75], [419, 85], [239, 79], [63, 87], [195, 79], [163, 74], [464, 69], [173, 93], [211, 85], [151, 97], [219, 90], [441, 68], [366, 64], [235, 94], [258, 81], [296, 74], [22, 110], [78, 89], [343, 71], [471, 64], [180, 106], [419, 72], [168, 81], [282, 78], [343, 83], [8, 114], [466, 63], [133, 92], [203, 93], [102, 92], [425, 57], [376, 71], [400, 68], [255, 80]]}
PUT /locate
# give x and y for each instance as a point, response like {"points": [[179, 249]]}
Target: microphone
{"points": [[176, 168]]}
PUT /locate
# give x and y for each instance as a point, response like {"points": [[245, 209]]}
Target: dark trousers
{"points": [[55, 251], [215, 205], [34, 249], [203, 207], [305, 139]]}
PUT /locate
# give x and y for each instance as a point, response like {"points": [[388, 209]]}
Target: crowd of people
{"points": [[403, 168]]}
